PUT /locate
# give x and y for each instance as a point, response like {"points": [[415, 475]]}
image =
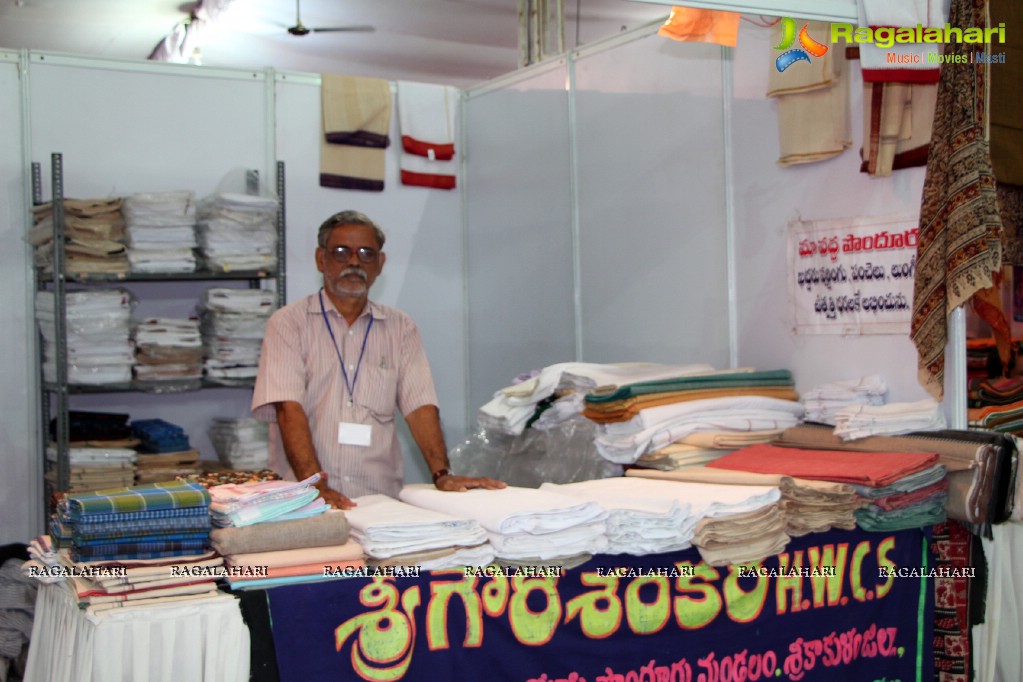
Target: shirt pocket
{"points": [[378, 392]]}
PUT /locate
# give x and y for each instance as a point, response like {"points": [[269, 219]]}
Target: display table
{"points": [[194, 641], [836, 605]]}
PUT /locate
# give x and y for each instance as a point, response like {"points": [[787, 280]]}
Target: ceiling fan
{"points": [[300, 29]]}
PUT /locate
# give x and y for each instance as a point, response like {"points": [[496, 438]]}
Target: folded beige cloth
{"points": [[345, 167], [747, 552], [332, 555], [329, 528]]}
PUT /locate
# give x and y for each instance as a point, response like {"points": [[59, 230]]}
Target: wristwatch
{"points": [[440, 473]]}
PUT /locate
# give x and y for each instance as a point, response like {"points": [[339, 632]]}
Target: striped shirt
{"points": [[299, 363]]}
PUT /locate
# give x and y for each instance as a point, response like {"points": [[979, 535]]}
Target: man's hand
{"points": [[335, 499], [462, 483]]}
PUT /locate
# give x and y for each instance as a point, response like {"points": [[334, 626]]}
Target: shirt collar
{"points": [[314, 307]]}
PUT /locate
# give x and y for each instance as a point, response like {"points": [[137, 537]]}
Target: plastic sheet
{"points": [[564, 453]]}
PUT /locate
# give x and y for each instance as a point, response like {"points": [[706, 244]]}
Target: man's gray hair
{"points": [[347, 218]]}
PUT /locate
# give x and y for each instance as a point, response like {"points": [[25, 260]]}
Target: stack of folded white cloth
{"points": [[643, 516], [241, 444], [824, 401], [523, 524], [245, 504], [168, 349], [512, 406], [395, 533], [860, 421], [160, 229], [233, 322], [238, 232], [99, 347], [733, 524], [655, 427]]}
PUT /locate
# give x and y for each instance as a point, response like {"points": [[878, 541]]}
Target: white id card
{"points": [[349, 433]]}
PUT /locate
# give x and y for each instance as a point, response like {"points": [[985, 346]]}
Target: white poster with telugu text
{"points": [[854, 275]]}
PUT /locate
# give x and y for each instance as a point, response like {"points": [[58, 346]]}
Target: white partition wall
{"points": [[19, 456], [649, 136], [518, 222]]}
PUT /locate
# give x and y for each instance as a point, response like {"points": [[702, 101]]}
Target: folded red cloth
{"points": [[875, 469]]}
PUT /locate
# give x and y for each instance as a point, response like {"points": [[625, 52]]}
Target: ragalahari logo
{"points": [[809, 45]]}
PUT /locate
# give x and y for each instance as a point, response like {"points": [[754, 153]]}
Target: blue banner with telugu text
{"points": [[841, 605]]}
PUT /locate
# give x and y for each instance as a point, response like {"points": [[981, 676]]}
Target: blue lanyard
{"points": [[349, 385]]}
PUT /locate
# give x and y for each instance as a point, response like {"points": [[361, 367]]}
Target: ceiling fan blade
{"points": [[336, 29]]}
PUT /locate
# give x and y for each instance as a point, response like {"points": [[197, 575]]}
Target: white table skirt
{"points": [[196, 641]]}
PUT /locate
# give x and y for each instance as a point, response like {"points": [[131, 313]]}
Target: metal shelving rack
{"points": [[60, 391]]}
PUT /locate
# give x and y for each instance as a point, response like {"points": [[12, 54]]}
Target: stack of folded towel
{"points": [[394, 533], [523, 524]]}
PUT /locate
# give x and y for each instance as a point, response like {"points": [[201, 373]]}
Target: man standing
{"points": [[333, 369]]}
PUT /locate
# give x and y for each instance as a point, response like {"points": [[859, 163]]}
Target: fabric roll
{"points": [[329, 528]]}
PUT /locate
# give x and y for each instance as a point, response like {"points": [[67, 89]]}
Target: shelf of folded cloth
{"points": [[85, 277], [151, 386]]}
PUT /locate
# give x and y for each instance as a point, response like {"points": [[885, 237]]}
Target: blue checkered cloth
{"points": [[154, 496]]}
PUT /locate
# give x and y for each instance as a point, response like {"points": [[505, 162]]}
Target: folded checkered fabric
{"points": [[167, 495], [119, 517], [200, 536], [138, 550], [158, 526]]}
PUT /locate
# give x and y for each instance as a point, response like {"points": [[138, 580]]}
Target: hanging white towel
{"points": [[426, 114], [901, 62]]}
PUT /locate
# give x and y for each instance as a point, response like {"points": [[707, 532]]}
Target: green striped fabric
{"points": [[774, 377]]}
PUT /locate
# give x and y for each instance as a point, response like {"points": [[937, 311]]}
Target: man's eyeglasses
{"points": [[342, 254]]}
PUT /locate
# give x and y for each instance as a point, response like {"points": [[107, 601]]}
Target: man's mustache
{"points": [[359, 272]]}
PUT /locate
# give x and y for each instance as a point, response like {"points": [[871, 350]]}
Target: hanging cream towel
{"points": [[346, 167], [356, 110]]}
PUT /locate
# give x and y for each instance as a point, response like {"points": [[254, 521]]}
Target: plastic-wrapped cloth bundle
{"points": [[168, 353], [233, 322], [93, 236], [242, 444], [238, 232], [564, 453], [160, 230], [823, 402], [99, 346]]}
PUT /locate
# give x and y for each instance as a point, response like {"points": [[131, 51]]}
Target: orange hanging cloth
{"points": [[701, 26]]}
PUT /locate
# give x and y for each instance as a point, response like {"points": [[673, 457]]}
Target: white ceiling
{"points": [[458, 42]]}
